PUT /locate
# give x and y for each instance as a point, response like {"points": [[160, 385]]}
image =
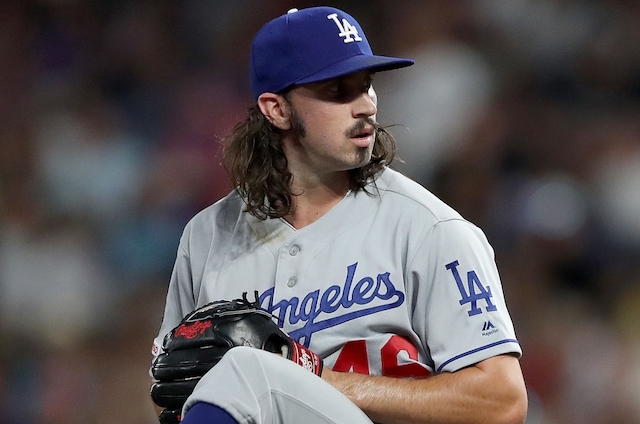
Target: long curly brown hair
{"points": [[258, 168]]}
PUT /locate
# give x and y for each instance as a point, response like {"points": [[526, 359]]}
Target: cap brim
{"points": [[357, 63]]}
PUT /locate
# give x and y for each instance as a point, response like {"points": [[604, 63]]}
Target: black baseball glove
{"points": [[204, 336]]}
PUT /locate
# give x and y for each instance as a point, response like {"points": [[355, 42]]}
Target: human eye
{"points": [[333, 87], [335, 90], [344, 89], [368, 82]]}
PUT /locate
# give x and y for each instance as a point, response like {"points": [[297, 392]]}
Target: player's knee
{"points": [[245, 358], [243, 354]]}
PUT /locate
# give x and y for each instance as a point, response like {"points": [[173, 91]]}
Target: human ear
{"points": [[276, 109]]}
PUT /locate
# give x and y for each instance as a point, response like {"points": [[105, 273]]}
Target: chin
{"points": [[363, 156]]}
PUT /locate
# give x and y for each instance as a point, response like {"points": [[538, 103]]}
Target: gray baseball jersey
{"points": [[389, 282]]}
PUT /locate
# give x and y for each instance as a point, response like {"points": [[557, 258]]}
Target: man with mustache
{"points": [[394, 290]]}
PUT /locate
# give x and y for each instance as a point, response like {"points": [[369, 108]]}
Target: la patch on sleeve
{"points": [[474, 291]]}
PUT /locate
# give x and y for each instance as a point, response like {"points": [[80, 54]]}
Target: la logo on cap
{"points": [[348, 31]]}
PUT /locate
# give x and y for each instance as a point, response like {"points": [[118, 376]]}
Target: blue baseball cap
{"points": [[310, 45]]}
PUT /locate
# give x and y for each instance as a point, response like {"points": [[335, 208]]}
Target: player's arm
{"points": [[491, 391]]}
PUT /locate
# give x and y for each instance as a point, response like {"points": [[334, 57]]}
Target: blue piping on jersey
{"points": [[462, 355]]}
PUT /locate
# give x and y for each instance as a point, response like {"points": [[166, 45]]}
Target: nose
{"points": [[366, 104]]}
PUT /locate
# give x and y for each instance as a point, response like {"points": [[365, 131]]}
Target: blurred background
{"points": [[524, 115]]}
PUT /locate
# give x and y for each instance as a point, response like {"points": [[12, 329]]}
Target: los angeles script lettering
{"points": [[334, 298]]}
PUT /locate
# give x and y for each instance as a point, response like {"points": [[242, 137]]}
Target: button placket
{"points": [[289, 263]]}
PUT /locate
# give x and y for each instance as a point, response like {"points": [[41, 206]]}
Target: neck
{"points": [[312, 199]]}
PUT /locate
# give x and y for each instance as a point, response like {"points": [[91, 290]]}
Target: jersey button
{"points": [[292, 281], [294, 250]]}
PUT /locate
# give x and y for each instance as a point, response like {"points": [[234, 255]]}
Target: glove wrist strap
{"points": [[306, 358]]}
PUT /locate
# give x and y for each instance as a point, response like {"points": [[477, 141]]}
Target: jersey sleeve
{"points": [[459, 308], [180, 294]]}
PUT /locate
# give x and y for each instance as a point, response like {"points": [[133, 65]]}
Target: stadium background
{"points": [[521, 114]]}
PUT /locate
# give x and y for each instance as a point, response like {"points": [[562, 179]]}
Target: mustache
{"points": [[359, 127]]}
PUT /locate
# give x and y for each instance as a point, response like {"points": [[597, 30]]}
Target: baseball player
{"points": [[394, 290]]}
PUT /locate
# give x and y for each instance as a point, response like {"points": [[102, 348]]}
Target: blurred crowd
{"points": [[524, 115]]}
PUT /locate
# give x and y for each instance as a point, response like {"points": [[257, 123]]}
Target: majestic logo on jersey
{"points": [[336, 302], [476, 291], [488, 329], [347, 31], [488, 326]]}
